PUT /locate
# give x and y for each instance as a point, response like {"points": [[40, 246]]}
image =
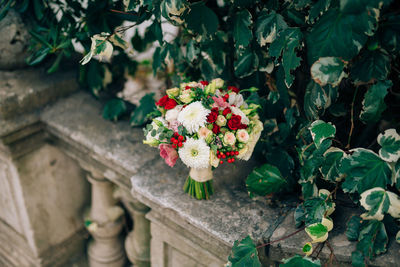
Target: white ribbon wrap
{"points": [[201, 175]]}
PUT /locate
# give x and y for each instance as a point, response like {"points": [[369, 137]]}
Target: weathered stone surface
{"points": [[342, 247], [26, 90], [14, 41]]}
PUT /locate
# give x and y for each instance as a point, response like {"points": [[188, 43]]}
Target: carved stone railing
{"points": [[58, 160]]}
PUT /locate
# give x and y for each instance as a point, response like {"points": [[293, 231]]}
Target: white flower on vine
{"points": [[193, 116], [195, 153]]}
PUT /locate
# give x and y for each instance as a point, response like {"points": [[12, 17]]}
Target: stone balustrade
{"points": [[63, 165]]}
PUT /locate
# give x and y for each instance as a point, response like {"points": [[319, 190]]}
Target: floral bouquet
{"points": [[204, 124]]}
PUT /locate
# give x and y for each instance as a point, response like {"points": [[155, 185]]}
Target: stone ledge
{"points": [[25, 90]]}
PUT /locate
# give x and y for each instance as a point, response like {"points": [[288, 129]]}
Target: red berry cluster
{"points": [[177, 140], [230, 156]]}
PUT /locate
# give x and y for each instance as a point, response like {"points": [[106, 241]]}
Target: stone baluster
{"points": [[106, 248], [137, 243]]}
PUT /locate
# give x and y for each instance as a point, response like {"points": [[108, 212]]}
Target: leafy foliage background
{"points": [[328, 73]]}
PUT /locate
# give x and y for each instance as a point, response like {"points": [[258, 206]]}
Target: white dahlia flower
{"points": [[193, 116], [195, 153]]}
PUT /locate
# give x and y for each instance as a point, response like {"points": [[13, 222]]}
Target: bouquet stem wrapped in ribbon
{"points": [[204, 124]]}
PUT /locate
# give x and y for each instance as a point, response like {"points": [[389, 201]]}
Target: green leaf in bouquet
{"points": [[364, 170], [244, 254], [321, 130], [287, 43], [264, 180], [372, 65], [241, 29], [140, 114], [374, 104], [114, 109], [299, 261], [328, 70], [390, 145], [268, 25]]}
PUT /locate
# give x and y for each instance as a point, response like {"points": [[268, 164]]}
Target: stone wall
{"points": [[63, 165]]}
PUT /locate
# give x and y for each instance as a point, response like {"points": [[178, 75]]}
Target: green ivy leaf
{"points": [[264, 180], [374, 104], [244, 254], [396, 174], [359, 6], [241, 29], [246, 64], [328, 70], [318, 9], [373, 239], [338, 35], [376, 202], [390, 145], [298, 261], [317, 232], [321, 130], [268, 25], [330, 169], [389, 33], [139, 115], [364, 170], [353, 228], [114, 108], [317, 99], [373, 65], [398, 237], [357, 259], [201, 20], [287, 43]]}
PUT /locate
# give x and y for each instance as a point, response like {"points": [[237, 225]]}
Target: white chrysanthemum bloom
{"points": [[195, 153], [238, 111], [172, 114], [193, 116]]}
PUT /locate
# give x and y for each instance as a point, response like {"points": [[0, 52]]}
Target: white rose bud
{"points": [[186, 96], [242, 135], [218, 83], [221, 120], [214, 160], [229, 138], [204, 133], [173, 92]]}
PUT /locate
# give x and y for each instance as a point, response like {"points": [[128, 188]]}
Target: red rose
{"points": [[170, 104], [234, 122], [216, 129], [163, 100], [233, 89], [205, 83], [212, 117], [214, 110], [226, 111], [242, 126], [187, 87]]}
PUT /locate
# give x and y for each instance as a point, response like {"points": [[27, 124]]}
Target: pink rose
{"points": [[174, 126], [220, 102], [168, 153]]}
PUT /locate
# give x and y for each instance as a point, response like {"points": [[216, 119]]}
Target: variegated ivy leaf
{"points": [[328, 223], [118, 40], [287, 43], [390, 142], [394, 208], [241, 29], [398, 237], [364, 170], [317, 232], [100, 46], [129, 5], [317, 99], [298, 261], [376, 202], [307, 249], [372, 239], [318, 9], [328, 70], [173, 9], [244, 253], [268, 25], [321, 130], [200, 19], [331, 166], [373, 103], [396, 173]]}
